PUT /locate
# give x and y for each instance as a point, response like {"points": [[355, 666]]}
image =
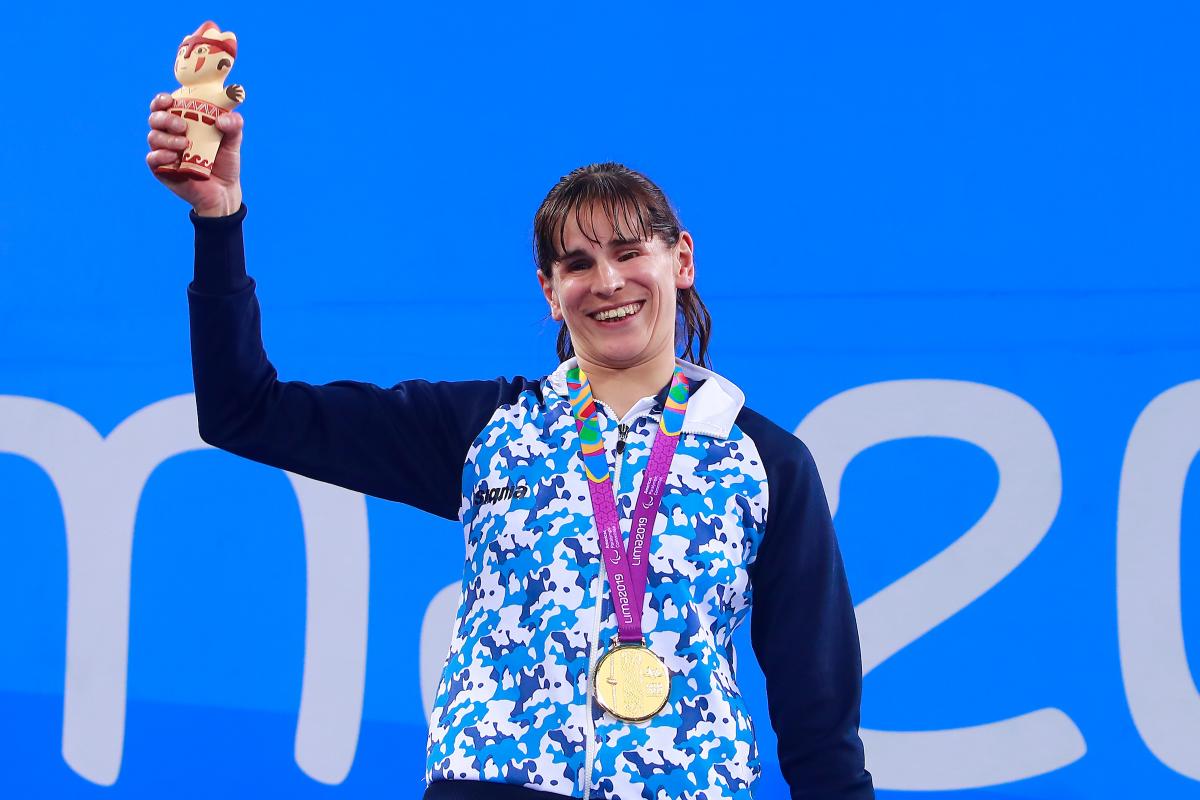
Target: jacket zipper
{"points": [[622, 432], [589, 749]]}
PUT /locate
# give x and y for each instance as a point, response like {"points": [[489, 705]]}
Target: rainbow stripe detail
{"points": [[587, 421], [591, 443], [676, 406]]}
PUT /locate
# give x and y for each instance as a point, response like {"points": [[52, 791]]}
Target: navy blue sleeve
{"points": [[407, 443], [802, 626]]}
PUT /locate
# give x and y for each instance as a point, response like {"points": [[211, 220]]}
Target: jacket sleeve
{"points": [[406, 443], [803, 630]]}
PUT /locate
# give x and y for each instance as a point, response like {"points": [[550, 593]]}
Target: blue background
{"points": [[999, 193]]}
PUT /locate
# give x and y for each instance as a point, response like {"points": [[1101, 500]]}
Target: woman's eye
{"points": [[628, 255], [575, 266]]}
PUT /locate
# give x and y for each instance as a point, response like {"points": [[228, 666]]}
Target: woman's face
{"points": [[617, 297]]}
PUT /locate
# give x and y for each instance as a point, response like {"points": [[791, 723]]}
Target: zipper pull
{"points": [[622, 432]]}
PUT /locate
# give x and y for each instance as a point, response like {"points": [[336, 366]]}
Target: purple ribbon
{"points": [[627, 568]]}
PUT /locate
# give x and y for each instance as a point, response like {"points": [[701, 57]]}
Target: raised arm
{"points": [[406, 443]]}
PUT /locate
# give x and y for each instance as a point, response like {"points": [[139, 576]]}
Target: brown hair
{"points": [[636, 208]]}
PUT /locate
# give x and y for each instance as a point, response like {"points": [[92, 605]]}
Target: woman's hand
{"points": [[221, 194]]}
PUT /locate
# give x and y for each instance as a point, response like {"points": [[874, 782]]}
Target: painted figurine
{"points": [[203, 61]]}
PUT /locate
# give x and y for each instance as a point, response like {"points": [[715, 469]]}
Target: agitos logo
{"points": [[484, 495]]}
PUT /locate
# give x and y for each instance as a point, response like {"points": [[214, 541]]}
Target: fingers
{"points": [[160, 140], [164, 158], [163, 121], [161, 158], [230, 125], [161, 101], [168, 140]]}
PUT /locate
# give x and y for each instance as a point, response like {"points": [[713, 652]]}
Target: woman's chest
{"points": [[528, 509]]}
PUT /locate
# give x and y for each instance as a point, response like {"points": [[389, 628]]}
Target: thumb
{"points": [[230, 126]]}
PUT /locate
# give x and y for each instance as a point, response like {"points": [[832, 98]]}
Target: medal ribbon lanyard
{"points": [[626, 568]]}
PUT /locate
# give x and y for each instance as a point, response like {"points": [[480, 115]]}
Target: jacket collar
{"points": [[711, 409]]}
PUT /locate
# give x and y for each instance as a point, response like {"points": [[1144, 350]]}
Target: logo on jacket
{"points": [[485, 495]]}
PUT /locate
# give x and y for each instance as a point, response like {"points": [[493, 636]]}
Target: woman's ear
{"points": [[685, 261], [547, 285]]}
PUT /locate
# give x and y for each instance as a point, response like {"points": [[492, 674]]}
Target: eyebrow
{"points": [[615, 242]]}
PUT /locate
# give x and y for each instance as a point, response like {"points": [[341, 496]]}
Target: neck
{"points": [[620, 388]]}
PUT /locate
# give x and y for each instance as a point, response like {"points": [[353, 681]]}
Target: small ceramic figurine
{"points": [[203, 61]]}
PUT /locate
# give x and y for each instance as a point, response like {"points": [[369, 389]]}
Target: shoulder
{"points": [[782, 451]]}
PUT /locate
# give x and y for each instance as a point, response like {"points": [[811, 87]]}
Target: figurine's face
{"points": [[204, 63]]}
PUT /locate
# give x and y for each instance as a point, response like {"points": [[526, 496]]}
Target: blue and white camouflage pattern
{"points": [[514, 703]]}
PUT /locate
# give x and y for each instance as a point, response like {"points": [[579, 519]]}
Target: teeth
{"points": [[618, 313]]}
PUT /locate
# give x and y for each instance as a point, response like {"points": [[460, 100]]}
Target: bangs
{"points": [[632, 208], [626, 214]]}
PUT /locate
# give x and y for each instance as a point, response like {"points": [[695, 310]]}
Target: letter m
{"points": [[99, 481]]}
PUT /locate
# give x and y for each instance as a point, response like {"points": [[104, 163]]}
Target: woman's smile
{"points": [[615, 315]]}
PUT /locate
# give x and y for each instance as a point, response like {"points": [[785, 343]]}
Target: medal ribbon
{"points": [[626, 568]]}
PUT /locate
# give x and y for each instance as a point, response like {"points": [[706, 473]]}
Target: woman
{"points": [[581, 664]]}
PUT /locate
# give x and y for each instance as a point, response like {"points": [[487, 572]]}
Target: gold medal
{"points": [[631, 682]]}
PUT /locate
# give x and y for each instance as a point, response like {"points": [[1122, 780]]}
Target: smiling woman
{"points": [[621, 514], [611, 252]]}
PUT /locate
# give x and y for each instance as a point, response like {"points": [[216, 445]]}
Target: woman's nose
{"points": [[608, 278]]}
